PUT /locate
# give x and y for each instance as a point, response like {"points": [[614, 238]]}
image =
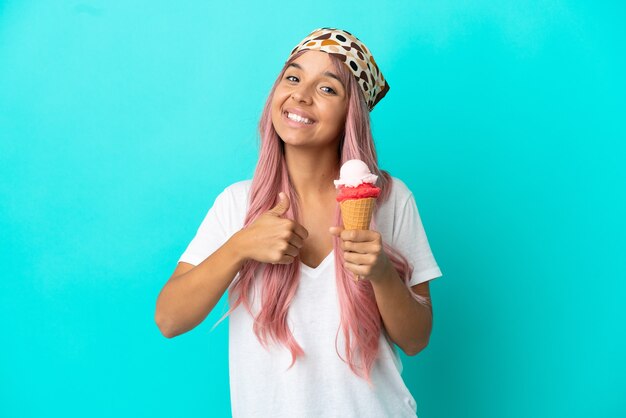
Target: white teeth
{"points": [[298, 118]]}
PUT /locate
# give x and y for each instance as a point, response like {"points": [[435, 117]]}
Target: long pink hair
{"points": [[360, 318]]}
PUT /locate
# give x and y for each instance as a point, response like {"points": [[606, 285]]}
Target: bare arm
{"points": [[192, 292], [408, 322]]}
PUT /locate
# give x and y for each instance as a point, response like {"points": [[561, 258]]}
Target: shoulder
{"points": [[399, 190], [399, 194], [391, 209], [236, 195], [239, 188]]}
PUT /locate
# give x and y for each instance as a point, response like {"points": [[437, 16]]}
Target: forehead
{"points": [[314, 61]]}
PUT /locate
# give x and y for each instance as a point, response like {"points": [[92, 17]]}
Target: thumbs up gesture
{"points": [[271, 238], [281, 207]]}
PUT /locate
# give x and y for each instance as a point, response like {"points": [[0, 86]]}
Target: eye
{"points": [[295, 79]]}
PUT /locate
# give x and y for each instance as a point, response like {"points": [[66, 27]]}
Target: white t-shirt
{"points": [[319, 384]]}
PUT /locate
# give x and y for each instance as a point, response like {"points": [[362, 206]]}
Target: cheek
{"points": [[277, 103], [339, 121], [276, 111], [276, 122]]}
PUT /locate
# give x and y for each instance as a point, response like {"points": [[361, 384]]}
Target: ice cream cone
{"points": [[357, 213]]}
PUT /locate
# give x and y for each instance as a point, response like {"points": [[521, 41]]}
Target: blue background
{"points": [[120, 122]]}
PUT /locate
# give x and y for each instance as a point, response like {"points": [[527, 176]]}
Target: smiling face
{"points": [[309, 105]]}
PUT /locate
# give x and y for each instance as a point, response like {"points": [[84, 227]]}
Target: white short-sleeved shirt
{"points": [[319, 384]]}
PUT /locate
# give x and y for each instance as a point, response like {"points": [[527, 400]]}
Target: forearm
{"points": [[187, 299], [407, 321]]}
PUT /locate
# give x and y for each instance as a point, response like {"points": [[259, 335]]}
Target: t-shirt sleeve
{"points": [[410, 239], [214, 231]]}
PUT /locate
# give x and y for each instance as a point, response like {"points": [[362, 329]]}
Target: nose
{"points": [[301, 94]]}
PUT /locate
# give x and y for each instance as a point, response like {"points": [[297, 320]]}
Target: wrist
{"points": [[388, 274], [237, 247]]}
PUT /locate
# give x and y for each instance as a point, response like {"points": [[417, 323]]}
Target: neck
{"points": [[312, 171]]}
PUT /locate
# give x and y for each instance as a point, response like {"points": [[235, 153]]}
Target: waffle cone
{"points": [[357, 213]]}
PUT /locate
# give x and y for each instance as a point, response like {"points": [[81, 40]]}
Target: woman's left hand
{"points": [[363, 253]]}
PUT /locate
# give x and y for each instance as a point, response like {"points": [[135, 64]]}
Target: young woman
{"points": [[305, 338]]}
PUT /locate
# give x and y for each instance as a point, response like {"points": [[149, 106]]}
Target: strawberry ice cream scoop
{"points": [[356, 181], [361, 191]]}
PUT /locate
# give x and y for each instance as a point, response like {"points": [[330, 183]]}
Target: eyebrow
{"points": [[326, 73]]}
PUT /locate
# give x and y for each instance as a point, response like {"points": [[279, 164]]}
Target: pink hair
{"points": [[360, 318]]}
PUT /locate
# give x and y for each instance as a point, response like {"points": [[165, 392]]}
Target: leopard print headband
{"points": [[353, 53]]}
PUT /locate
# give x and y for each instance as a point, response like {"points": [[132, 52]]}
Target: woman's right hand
{"points": [[271, 238]]}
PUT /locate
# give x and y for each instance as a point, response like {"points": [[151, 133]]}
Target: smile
{"points": [[298, 119]]}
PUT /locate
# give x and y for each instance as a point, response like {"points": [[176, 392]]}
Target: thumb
{"points": [[282, 206]]}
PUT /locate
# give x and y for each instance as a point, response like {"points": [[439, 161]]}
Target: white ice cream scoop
{"points": [[354, 173]]}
